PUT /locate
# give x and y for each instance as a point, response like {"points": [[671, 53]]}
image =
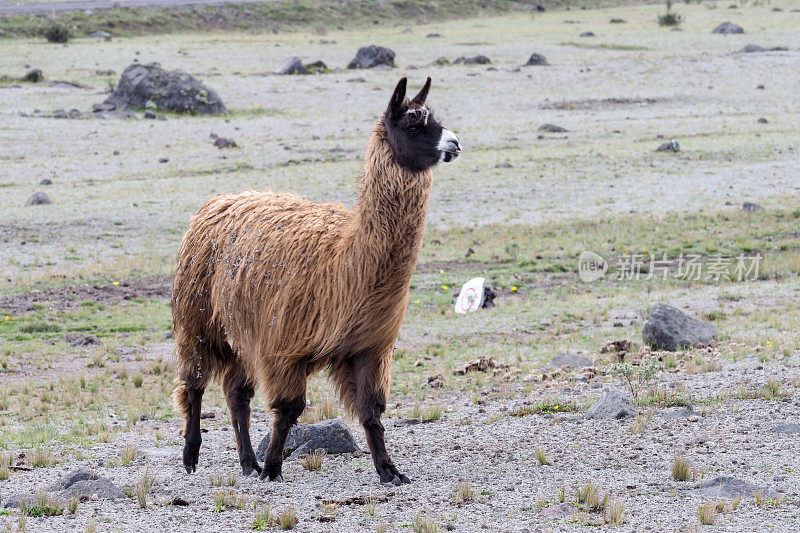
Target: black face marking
{"points": [[412, 131]]}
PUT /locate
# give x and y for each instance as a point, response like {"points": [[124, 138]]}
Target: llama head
{"points": [[417, 140]]}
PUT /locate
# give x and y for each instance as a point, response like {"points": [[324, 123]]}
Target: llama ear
{"points": [[423, 94], [399, 96]]}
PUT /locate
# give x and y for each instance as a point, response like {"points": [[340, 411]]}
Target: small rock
{"points": [[317, 67], [292, 65], [483, 364], [76, 340], [786, 429], [727, 28], [39, 198], [762, 120], [33, 76], [730, 487], [571, 359], [475, 60], [671, 146], [100, 35], [46, 181], [552, 128], [433, 36], [150, 114], [488, 297], [616, 346], [222, 142], [587, 34], [163, 159], [436, 382], [537, 60], [753, 48], [371, 57], [683, 412], [760, 86], [562, 510], [332, 435], [179, 502], [750, 207], [668, 328], [617, 21], [613, 405]]}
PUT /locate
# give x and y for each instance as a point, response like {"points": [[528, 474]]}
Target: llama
{"points": [[271, 288]]}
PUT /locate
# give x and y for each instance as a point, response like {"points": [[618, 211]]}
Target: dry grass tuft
{"points": [[287, 518], [682, 469], [313, 461], [541, 456], [423, 524], [464, 493], [612, 512], [228, 499], [707, 513], [128, 455], [223, 480], [142, 488]]}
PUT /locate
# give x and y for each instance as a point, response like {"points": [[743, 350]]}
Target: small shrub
{"points": [[43, 505], [142, 488], [313, 461], [421, 524], [541, 456], [221, 480], [681, 469], [72, 505], [263, 519], [287, 518], [228, 499], [464, 493], [670, 18], [590, 495], [128, 454], [612, 513], [41, 458], [137, 381], [707, 513], [57, 33]]}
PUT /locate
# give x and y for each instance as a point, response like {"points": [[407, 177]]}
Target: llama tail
{"points": [[180, 402]]}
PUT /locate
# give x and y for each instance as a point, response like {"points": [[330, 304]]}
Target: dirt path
{"points": [[19, 8]]}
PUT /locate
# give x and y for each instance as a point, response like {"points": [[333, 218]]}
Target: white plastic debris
{"points": [[471, 296]]}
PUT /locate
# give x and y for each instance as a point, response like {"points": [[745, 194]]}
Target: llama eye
{"points": [[412, 129]]}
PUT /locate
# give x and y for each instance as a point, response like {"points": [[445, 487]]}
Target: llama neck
{"points": [[390, 215]]}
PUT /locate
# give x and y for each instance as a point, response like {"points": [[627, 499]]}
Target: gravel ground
{"points": [[480, 443]]}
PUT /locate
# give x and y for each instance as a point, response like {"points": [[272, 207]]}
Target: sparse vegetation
{"points": [[223, 480], [707, 513], [313, 461], [142, 488], [128, 454], [541, 456], [263, 519], [464, 493], [228, 499], [682, 469], [423, 524], [670, 18], [287, 518]]}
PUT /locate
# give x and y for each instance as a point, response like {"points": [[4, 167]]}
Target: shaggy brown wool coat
{"points": [[271, 288]]}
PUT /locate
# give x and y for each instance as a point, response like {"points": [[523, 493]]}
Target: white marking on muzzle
{"points": [[449, 146]]}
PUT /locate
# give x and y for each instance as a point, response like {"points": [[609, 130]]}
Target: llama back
{"points": [[254, 262]]}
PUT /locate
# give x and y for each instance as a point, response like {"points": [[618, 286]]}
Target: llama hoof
{"points": [[251, 470], [190, 460], [276, 479]]}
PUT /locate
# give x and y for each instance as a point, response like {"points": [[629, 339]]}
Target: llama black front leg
{"points": [[371, 403], [286, 414], [239, 392]]}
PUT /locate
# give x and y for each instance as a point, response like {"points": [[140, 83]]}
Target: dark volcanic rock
{"points": [[142, 86], [751, 207], [587, 34], [39, 198], [84, 483], [668, 328], [727, 28], [751, 48], [317, 67], [682, 412], [371, 57], [292, 65], [613, 404], [571, 359], [552, 128], [536, 59], [671, 146], [333, 436], [33, 76]]}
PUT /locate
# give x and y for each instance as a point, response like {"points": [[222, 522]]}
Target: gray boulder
{"points": [[614, 405], [84, 483], [671, 146], [727, 28], [39, 198], [371, 57], [292, 65], [668, 328], [753, 48], [332, 435], [142, 86], [750, 207], [681, 412], [536, 60], [728, 487], [571, 359]]}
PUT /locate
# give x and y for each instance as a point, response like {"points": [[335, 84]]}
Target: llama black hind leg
{"points": [[189, 397], [286, 414], [371, 385], [238, 392]]}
